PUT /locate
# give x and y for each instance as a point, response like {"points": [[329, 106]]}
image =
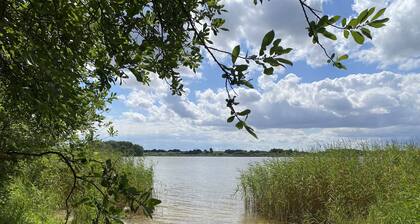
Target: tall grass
{"points": [[37, 191], [380, 185]]}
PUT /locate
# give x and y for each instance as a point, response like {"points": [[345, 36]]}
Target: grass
{"points": [[37, 191], [378, 185]]}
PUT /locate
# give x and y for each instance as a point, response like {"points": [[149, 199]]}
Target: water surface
{"points": [[200, 189]]}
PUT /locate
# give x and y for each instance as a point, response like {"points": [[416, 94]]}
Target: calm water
{"points": [[200, 189]]}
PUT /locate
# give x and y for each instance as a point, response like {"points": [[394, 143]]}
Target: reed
{"points": [[376, 185]]}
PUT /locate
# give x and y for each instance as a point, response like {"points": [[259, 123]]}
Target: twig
{"points": [[302, 4]]}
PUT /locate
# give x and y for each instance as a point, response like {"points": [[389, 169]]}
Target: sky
{"points": [[309, 104]]}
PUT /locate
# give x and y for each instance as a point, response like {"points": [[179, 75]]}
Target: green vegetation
{"points": [[380, 185], [58, 62], [124, 147], [35, 193], [227, 152]]}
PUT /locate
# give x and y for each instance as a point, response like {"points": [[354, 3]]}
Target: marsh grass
{"points": [[376, 185]]}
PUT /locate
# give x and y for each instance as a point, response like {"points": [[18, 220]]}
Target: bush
{"points": [[37, 191]]}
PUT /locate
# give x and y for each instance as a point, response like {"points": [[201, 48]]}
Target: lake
{"points": [[199, 189]]}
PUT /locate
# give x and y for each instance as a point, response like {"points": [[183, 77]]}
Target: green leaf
{"points": [[230, 119], [343, 57], [329, 35], [284, 51], [362, 16], [271, 61], [344, 22], [218, 22], [241, 68], [366, 32], [334, 19], [323, 22], [268, 71], [339, 65], [358, 37], [353, 23], [381, 20], [235, 53], [346, 34], [251, 131], [268, 38], [378, 23], [240, 124], [153, 202], [378, 14], [370, 11], [245, 112], [246, 83], [277, 42], [284, 61]]}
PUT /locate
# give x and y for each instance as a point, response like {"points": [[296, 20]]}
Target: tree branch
{"points": [[68, 163]]}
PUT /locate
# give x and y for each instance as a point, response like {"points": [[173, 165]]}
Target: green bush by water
{"points": [[380, 185], [37, 192]]}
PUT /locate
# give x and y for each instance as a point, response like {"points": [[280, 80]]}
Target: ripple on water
{"points": [[199, 190]]}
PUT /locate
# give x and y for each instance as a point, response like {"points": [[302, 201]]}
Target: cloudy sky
{"points": [[311, 103]]}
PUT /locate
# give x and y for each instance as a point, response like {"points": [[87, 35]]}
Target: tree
{"points": [[126, 148], [59, 59]]}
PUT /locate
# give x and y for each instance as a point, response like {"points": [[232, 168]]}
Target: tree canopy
{"points": [[59, 60], [125, 147]]}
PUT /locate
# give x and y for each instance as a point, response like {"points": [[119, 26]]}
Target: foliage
{"points": [[338, 186], [35, 194], [125, 147], [64, 56], [59, 59]]}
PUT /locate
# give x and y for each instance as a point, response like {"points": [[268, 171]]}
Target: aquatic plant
{"points": [[376, 185]]}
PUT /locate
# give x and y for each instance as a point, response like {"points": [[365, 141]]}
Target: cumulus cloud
{"points": [[362, 104], [394, 44], [248, 23], [398, 42], [359, 100], [287, 111], [136, 117], [189, 73]]}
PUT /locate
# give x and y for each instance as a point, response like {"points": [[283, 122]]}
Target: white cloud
{"points": [[360, 100], [248, 23], [143, 95], [360, 5], [136, 117], [398, 42], [394, 44], [286, 112], [189, 73]]}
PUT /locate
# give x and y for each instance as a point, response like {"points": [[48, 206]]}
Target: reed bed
{"points": [[376, 185]]}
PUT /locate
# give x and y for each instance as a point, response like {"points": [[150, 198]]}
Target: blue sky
{"points": [[308, 104]]}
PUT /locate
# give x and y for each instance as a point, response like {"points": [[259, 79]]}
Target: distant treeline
{"points": [[130, 149], [227, 152], [125, 147]]}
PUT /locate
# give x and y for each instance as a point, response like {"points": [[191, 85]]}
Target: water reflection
{"points": [[199, 190]]}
